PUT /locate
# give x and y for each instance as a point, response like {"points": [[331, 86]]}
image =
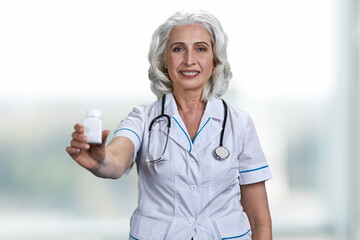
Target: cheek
{"points": [[208, 64], [172, 64], [172, 61]]}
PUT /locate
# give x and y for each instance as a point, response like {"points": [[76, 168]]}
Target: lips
{"points": [[189, 73]]}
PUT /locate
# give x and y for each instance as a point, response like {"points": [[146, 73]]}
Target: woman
{"points": [[186, 189]]}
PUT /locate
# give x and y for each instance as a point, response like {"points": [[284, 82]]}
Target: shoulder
{"points": [[240, 116], [145, 109], [136, 120]]}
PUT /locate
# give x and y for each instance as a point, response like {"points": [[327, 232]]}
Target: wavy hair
{"points": [[160, 81]]}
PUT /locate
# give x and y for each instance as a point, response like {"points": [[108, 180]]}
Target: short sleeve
{"points": [[132, 127], [253, 166]]}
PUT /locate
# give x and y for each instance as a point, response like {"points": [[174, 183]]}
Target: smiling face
{"points": [[189, 58]]}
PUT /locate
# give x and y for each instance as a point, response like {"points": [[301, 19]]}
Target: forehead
{"points": [[189, 34]]}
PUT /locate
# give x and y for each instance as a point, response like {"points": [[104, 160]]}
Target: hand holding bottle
{"points": [[89, 156], [87, 148]]}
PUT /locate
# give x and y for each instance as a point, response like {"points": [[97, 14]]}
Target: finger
{"points": [[81, 145], [78, 137], [73, 152], [79, 128], [105, 134]]}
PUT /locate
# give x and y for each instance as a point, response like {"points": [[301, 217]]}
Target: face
{"points": [[189, 58]]}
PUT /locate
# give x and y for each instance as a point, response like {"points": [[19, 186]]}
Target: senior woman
{"points": [[201, 170]]}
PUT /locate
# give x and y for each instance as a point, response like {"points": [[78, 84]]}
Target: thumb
{"points": [[105, 134], [98, 151]]}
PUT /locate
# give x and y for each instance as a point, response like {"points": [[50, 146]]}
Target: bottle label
{"points": [[93, 130]]}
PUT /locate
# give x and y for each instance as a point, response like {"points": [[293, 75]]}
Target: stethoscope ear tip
{"points": [[148, 160]]}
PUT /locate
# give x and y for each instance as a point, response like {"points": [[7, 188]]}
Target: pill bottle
{"points": [[93, 126]]}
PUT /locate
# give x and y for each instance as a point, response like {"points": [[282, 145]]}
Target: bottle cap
{"points": [[93, 113]]}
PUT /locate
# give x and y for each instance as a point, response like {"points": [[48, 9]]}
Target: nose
{"points": [[190, 58]]}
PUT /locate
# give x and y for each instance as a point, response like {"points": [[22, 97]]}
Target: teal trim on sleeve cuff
{"points": [[251, 170], [130, 131]]}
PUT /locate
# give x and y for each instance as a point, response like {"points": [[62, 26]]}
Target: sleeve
{"points": [[253, 166], [132, 127]]}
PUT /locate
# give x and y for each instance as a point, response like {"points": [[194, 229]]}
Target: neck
{"points": [[189, 102]]}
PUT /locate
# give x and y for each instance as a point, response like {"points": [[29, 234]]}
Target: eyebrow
{"points": [[181, 43]]}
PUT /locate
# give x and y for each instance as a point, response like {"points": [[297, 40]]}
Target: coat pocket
{"points": [[143, 228], [234, 226]]}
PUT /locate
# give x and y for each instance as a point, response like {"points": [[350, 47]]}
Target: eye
{"points": [[202, 49], [177, 49]]}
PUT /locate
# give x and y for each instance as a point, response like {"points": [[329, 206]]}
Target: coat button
{"points": [[193, 187]]}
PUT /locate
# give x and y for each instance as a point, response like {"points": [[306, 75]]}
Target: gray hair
{"points": [[219, 80]]}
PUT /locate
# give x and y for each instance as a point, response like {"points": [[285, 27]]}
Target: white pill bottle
{"points": [[93, 126]]}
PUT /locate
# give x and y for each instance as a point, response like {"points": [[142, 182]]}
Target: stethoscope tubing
{"points": [[161, 115], [220, 152], [224, 122]]}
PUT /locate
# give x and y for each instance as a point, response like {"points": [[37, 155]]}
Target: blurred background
{"points": [[296, 71]]}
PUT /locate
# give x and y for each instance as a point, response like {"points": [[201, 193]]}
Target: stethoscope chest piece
{"points": [[221, 153]]}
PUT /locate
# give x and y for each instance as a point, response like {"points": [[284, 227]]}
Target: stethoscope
{"points": [[220, 153]]}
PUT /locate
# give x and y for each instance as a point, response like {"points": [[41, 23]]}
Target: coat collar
{"points": [[209, 128], [214, 108]]}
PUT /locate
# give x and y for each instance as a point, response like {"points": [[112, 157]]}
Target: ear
{"points": [[215, 62], [165, 63]]}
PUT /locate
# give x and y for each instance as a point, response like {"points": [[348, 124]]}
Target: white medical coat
{"points": [[192, 194]]}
